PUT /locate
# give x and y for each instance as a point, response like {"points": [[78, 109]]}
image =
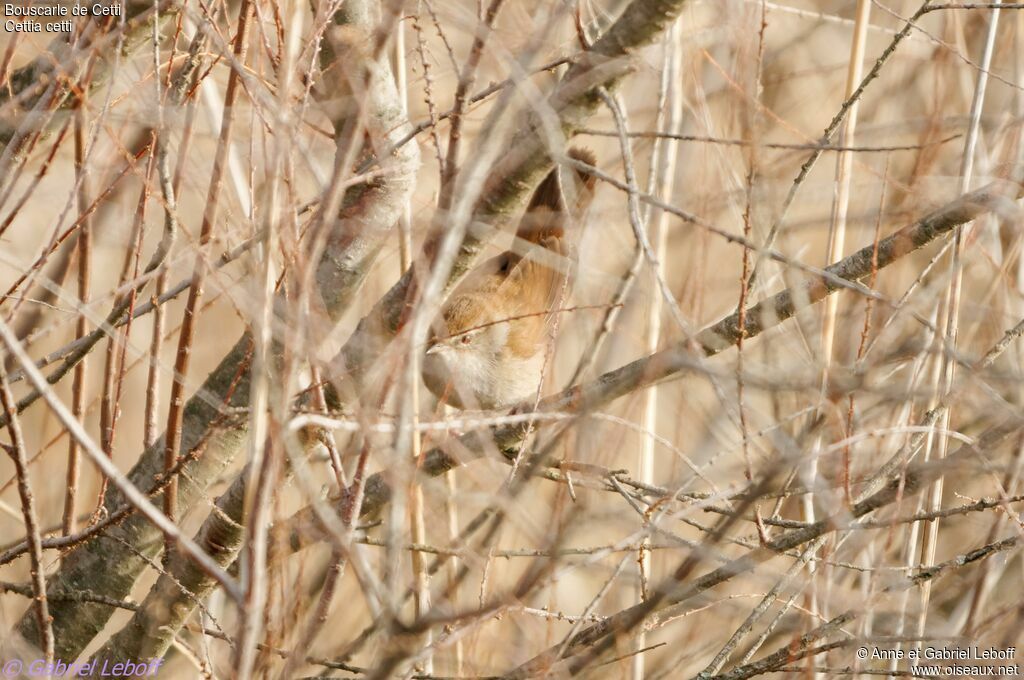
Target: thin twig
{"points": [[16, 450]]}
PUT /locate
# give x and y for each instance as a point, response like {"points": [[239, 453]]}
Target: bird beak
{"points": [[434, 348]]}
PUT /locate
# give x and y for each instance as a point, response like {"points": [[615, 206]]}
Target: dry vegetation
{"points": [[225, 228]]}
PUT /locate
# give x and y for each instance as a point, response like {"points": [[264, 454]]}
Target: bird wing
{"points": [[536, 283]]}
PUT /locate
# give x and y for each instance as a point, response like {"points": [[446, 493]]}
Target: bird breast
{"points": [[473, 379]]}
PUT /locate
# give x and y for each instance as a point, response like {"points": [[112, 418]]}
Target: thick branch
{"points": [[54, 73], [174, 597], [111, 564]]}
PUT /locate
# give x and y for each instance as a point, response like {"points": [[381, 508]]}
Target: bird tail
{"points": [[553, 205]]}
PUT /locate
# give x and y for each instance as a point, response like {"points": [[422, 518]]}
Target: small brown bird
{"points": [[489, 342]]}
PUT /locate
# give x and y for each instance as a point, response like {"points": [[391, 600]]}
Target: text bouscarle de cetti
{"points": [[26, 16]]}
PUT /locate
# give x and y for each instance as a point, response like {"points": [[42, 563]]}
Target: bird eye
{"points": [[466, 339]]}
